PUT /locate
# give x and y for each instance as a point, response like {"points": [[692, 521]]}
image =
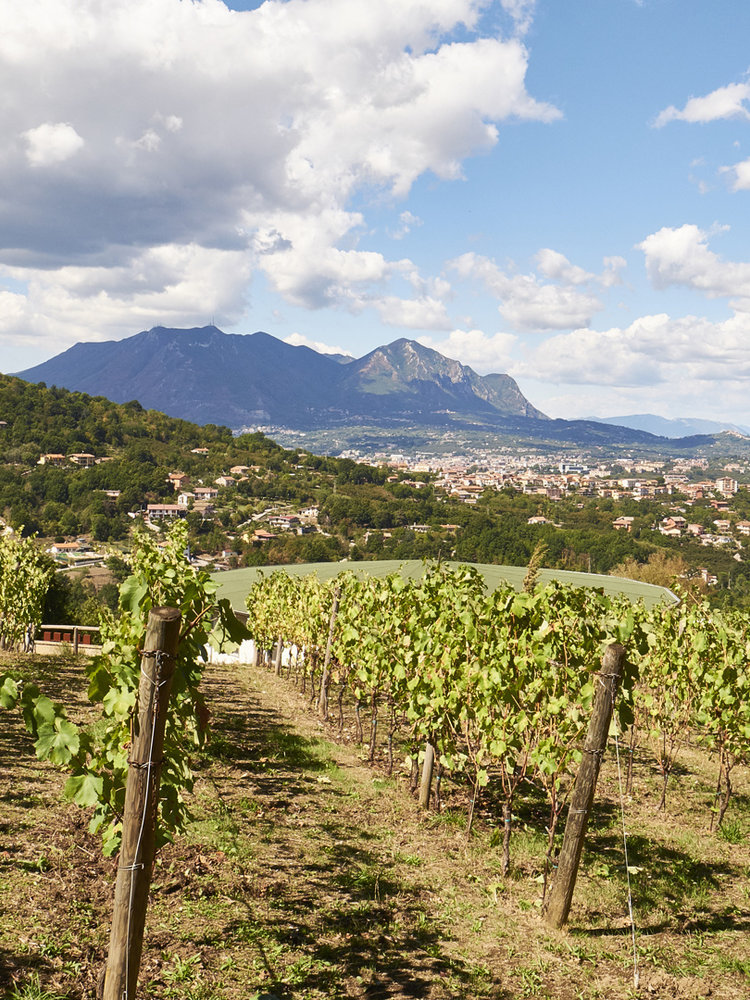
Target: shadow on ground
{"points": [[327, 910]]}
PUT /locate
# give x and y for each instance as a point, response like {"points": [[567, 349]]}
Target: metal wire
{"points": [[636, 975]]}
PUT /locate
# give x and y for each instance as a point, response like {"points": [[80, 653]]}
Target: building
{"points": [[286, 522], [623, 523], [179, 480], [206, 492], [726, 486], [83, 459], [159, 510]]}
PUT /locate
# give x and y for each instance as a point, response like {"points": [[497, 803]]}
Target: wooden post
{"points": [[607, 681], [277, 658], [325, 680], [75, 640], [427, 769], [141, 798]]}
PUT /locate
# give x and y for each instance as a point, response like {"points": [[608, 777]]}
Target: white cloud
{"points": [[476, 349], [681, 257], [415, 314], [522, 12], [298, 340], [556, 266], [741, 173], [172, 286], [526, 303], [49, 143], [407, 221], [653, 351], [244, 132], [724, 102]]}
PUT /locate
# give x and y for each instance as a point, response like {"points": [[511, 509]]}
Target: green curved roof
{"points": [[235, 584]]}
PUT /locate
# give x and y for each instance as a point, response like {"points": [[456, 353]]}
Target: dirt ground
{"points": [[309, 873]]}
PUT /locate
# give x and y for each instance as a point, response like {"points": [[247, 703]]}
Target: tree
{"points": [[25, 576]]}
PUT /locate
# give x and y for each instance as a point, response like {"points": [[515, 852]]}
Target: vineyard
{"points": [[304, 865], [501, 684]]}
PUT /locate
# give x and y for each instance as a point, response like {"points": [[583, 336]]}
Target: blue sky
{"points": [[556, 190]]}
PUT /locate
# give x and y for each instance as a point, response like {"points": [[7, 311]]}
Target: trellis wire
{"points": [[636, 976]]}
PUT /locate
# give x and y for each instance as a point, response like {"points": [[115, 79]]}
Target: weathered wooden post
{"points": [[277, 656], [608, 680], [428, 765], [325, 680], [141, 798]]}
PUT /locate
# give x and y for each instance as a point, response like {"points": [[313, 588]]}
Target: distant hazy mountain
{"points": [[208, 376], [679, 427]]}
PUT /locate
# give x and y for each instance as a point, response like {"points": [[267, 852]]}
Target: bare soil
{"points": [[310, 873]]}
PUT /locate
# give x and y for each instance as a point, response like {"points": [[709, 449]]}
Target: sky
{"points": [[556, 190]]}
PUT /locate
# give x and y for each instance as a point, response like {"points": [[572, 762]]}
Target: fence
{"points": [[81, 638]]}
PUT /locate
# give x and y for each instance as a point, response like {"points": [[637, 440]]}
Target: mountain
{"points": [[402, 390], [408, 379], [675, 428], [207, 376]]}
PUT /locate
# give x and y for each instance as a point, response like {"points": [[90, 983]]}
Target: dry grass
{"points": [[307, 873]]}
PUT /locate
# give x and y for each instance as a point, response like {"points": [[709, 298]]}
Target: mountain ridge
{"points": [[243, 381], [672, 427], [208, 376]]}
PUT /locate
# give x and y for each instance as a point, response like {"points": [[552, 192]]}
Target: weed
{"points": [[32, 989], [183, 970], [40, 864], [732, 831], [531, 982], [50, 946], [413, 860]]}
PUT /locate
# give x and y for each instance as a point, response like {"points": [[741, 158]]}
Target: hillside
{"points": [[339, 509]]}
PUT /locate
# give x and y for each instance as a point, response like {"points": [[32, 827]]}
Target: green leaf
{"points": [[119, 702], [231, 624], [100, 681], [8, 693], [44, 711], [84, 789], [57, 741], [132, 593]]}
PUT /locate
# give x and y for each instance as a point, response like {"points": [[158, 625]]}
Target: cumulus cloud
{"points": [[168, 285], [416, 314], [682, 257], [249, 132], [482, 352], [49, 143], [529, 304], [741, 174], [724, 102], [652, 351], [299, 340]]}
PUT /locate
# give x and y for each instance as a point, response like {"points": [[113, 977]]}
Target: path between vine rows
{"points": [[308, 873]]}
